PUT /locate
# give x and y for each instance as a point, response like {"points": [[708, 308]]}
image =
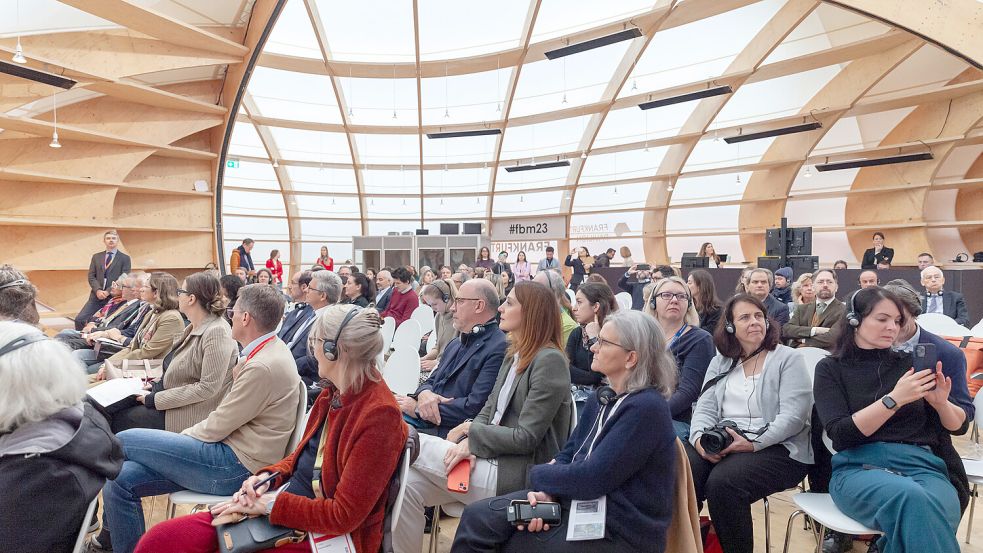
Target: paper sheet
{"points": [[112, 391]]}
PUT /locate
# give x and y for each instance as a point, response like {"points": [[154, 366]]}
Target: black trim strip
{"points": [[858, 163]]}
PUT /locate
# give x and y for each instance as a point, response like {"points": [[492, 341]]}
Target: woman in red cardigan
{"points": [[325, 259], [365, 437], [275, 267]]}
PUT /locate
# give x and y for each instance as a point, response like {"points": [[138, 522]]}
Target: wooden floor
{"points": [[781, 506]]}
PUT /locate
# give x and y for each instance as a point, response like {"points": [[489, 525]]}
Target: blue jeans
{"points": [[681, 429], [159, 462], [89, 358]]}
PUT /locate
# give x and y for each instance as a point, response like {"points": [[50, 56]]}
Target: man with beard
{"points": [[811, 323]]}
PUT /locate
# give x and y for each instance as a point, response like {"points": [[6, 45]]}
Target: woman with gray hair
{"points": [[55, 452], [17, 296], [623, 450]]}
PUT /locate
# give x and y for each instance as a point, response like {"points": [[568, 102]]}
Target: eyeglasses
{"points": [[309, 287], [183, 291], [602, 341], [668, 296], [458, 300], [230, 312]]}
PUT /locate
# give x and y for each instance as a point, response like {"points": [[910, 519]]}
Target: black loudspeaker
{"points": [[450, 228], [472, 228], [422, 232]]}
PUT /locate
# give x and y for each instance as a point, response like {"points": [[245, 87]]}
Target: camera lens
{"points": [[715, 440]]}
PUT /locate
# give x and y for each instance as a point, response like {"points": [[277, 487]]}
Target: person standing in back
{"points": [[105, 268]]}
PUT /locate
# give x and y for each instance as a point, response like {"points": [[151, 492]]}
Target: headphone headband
{"points": [[20, 342], [18, 282], [852, 318], [331, 346]]}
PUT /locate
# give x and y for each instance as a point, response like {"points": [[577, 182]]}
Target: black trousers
{"points": [[485, 528], [88, 310], [822, 468], [134, 416], [737, 481]]}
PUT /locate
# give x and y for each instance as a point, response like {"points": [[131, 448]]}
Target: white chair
{"points": [[84, 530], [572, 295], [812, 357], [451, 509], [432, 341], [978, 329], [407, 336], [940, 324], [197, 500], [974, 468], [424, 315], [402, 372], [624, 300], [388, 330]]}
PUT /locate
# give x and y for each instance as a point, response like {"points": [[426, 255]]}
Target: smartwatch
{"points": [[889, 403]]}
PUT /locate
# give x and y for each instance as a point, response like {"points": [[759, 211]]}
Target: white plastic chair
{"points": [[84, 530], [432, 341], [940, 324], [572, 295], [402, 372], [974, 468], [408, 336], [196, 499], [424, 315], [978, 329], [388, 330], [812, 358], [624, 300]]}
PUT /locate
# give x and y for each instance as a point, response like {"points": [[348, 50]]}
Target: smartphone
{"points": [[521, 512], [926, 357], [459, 478], [644, 267]]}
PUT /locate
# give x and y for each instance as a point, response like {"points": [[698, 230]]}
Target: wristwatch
{"points": [[889, 403], [269, 505]]}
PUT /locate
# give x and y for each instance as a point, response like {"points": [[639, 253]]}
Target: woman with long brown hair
{"points": [[706, 250], [524, 421], [704, 294]]}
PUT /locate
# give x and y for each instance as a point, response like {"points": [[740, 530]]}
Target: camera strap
{"points": [[734, 362]]}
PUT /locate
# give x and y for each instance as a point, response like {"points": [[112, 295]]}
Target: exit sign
{"points": [[232, 164]]}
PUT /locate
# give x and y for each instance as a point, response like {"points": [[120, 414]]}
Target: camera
{"points": [[716, 438]]}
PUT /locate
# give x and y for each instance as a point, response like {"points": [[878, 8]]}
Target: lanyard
{"points": [[319, 460], [675, 337], [259, 347]]}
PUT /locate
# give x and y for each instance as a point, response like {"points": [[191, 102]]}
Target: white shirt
{"points": [[742, 400], [252, 345], [506, 392], [938, 303], [381, 293], [307, 323]]}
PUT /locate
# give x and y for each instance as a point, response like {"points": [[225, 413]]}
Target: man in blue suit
{"points": [[323, 291], [301, 312], [458, 388], [950, 304]]}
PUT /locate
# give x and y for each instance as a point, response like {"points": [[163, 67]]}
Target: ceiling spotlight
{"points": [[583, 155], [54, 141], [276, 164], [738, 179], [19, 53], [54, 136], [634, 85], [670, 187]]}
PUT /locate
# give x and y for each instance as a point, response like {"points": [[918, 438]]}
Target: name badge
{"points": [[322, 543], [586, 520]]}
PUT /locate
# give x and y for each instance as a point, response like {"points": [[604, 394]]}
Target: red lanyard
{"points": [[259, 347]]}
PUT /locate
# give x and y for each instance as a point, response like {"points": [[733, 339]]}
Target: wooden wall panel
{"points": [[30, 248], [171, 174], [168, 250], [106, 162], [165, 211], [72, 202], [969, 207], [64, 291]]}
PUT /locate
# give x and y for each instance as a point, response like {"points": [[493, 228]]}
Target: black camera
{"points": [[716, 438]]}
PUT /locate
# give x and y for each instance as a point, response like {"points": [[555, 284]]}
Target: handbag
{"points": [[255, 534]]}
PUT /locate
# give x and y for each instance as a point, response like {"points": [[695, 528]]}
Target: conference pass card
{"points": [[321, 543], [586, 520]]}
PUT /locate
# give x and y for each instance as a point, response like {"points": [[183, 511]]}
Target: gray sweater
{"points": [[785, 402]]}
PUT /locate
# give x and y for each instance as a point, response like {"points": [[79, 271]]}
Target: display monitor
{"points": [[688, 263]]}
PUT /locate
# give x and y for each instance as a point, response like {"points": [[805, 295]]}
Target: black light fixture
{"points": [[35, 75], [534, 166], [873, 162], [804, 127], [698, 95], [627, 34], [462, 134]]}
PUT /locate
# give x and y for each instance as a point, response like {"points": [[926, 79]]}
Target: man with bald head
{"points": [[869, 279], [937, 300], [384, 289], [459, 386]]}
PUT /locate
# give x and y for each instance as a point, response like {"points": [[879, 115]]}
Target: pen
{"points": [[265, 481]]}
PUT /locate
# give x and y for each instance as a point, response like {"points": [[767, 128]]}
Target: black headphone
{"points": [[655, 294], [331, 346], [606, 395], [930, 294], [729, 325], [852, 318], [446, 296], [20, 342]]}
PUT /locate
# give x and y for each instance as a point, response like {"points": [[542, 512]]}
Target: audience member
{"points": [[706, 250], [502, 265], [626, 260], [325, 260], [623, 450], [275, 267], [840, 264], [869, 279], [604, 259], [521, 268], [230, 290], [704, 293], [484, 259], [879, 413], [427, 276], [581, 262], [414, 277], [364, 438], [302, 311], [553, 281], [265, 277], [464, 268], [878, 257], [403, 300], [384, 289], [812, 324], [593, 303], [457, 390], [803, 290], [359, 290], [105, 268], [441, 296], [248, 430], [345, 271], [123, 335], [114, 301], [323, 291], [742, 281], [637, 288], [936, 300], [199, 369], [925, 260], [241, 274], [242, 258], [760, 282], [758, 396], [663, 271], [549, 262], [124, 314], [17, 296], [598, 278], [522, 422], [445, 272], [692, 348], [56, 452], [783, 285], [459, 278], [371, 273]]}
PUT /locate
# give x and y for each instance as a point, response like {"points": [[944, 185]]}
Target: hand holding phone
{"points": [[459, 478], [521, 512], [925, 356]]}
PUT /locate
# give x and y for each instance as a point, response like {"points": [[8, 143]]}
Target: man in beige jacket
{"points": [[250, 428]]}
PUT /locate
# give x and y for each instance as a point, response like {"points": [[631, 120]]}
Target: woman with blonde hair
{"points": [[440, 295], [626, 256], [802, 289]]}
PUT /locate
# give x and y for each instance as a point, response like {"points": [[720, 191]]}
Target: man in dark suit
{"points": [[458, 388], [323, 291], [935, 300], [760, 282], [811, 323], [119, 317], [104, 269], [302, 311], [384, 290]]}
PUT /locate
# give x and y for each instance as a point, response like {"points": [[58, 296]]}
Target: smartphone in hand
{"points": [[459, 478], [926, 356]]}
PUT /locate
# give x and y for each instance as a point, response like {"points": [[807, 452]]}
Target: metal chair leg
{"points": [[767, 526], [788, 529], [434, 530], [171, 508], [972, 509]]}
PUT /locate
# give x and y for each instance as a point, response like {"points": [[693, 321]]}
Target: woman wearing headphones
{"points": [[750, 427], [889, 425], [440, 296], [691, 346], [359, 446], [625, 434]]}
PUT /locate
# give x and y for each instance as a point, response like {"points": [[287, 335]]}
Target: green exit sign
{"points": [[232, 164]]}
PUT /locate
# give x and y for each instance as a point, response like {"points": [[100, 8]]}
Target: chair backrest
{"points": [[978, 417], [407, 336], [388, 329], [424, 315], [812, 357], [83, 530], [402, 372], [572, 295], [573, 414], [301, 425], [432, 341], [940, 324], [397, 488], [978, 329], [624, 300], [828, 442]]}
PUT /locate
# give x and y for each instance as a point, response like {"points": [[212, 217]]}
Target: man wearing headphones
{"points": [[935, 300], [458, 388]]}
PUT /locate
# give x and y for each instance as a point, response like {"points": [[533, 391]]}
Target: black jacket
{"points": [[49, 472], [870, 260], [580, 360], [953, 306], [636, 289]]}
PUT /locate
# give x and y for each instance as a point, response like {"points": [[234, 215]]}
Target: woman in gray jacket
{"points": [[750, 426]]}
